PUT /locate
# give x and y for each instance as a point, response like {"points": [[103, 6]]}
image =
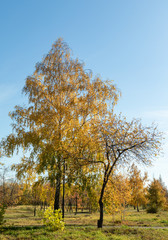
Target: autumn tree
{"points": [[63, 100], [117, 194], [156, 196], [115, 142], [138, 188], [164, 187], [124, 142]]}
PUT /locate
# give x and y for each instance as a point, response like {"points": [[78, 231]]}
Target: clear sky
{"points": [[126, 41]]}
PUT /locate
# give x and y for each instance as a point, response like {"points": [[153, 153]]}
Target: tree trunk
{"points": [[76, 205], [63, 192], [58, 186], [137, 208], [57, 194], [35, 211], [100, 221]]}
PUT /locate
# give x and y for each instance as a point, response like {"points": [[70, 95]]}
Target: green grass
{"points": [[21, 224], [21, 216], [81, 233], [146, 219]]}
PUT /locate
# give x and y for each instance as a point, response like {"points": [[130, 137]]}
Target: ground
{"points": [[21, 224]]}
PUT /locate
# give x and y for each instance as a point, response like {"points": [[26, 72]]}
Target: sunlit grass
{"points": [[21, 224], [21, 216], [24, 216]]}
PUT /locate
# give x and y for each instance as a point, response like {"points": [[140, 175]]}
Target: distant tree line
{"points": [[122, 191]]}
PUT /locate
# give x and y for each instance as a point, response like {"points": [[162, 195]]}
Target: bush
{"points": [[53, 219], [152, 209], [2, 212]]}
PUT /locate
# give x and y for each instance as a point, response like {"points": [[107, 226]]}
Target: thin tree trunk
{"points": [[137, 208], [58, 186], [57, 193], [76, 205], [63, 193], [34, 211]]}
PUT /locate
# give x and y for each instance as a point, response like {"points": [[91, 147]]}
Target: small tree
{"points": [[117, 195], [122, 143], [156, 197], [113, 142], [138, 189]]}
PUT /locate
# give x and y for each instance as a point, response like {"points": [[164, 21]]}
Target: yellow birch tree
{"points": [[64, 99]]}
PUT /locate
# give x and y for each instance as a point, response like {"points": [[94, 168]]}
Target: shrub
{"points": [[53, 219], [152, 209]]}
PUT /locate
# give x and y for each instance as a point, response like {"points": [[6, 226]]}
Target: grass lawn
{"points": [[21, 224], [81, 233]]}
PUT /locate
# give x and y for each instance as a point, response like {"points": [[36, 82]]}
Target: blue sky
{"points": [[126, 41]]}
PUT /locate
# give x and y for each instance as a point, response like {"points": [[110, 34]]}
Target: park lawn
{"points": [[21, 224], [142, 218], [23, 216], [82, 233]]}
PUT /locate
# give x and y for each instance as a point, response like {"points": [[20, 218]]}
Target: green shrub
{"points": [[53, 219], [152, 209]]}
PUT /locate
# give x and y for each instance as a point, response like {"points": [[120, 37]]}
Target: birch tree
{"points": [[63, 98]]}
